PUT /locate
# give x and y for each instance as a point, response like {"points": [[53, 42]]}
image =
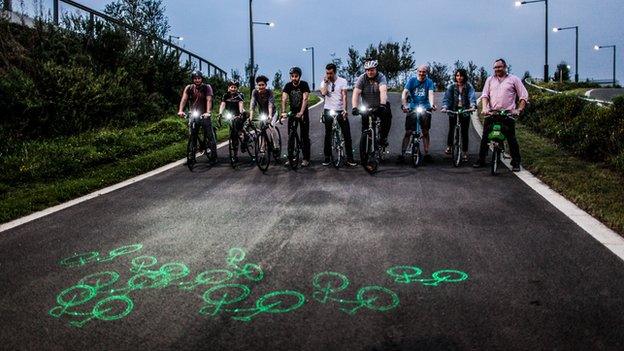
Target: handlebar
{"points": [[460, 111]]}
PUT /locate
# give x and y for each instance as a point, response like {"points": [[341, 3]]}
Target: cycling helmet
{"points": [[370, 64], [295, 70], [196, 74]]}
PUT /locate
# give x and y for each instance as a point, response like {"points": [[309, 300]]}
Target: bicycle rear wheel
{"points": [[456, 147], [337, 150], [263, 152]]}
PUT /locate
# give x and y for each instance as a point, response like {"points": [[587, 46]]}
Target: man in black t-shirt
{"points": [[199, 98], [232, 105], [297, 92]]}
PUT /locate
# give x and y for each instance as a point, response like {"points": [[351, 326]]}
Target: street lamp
{"points": [[175, 37], [311, 48], [576, 76], [252, 79], [597, 47], [520, 3]]}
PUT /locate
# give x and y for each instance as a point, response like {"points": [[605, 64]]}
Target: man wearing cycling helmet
{"points": [[420, 90], [296, 92], [372, 87], [232, 104], [199, 97]]}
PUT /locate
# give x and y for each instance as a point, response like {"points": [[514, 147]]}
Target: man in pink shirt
{"points": [[501, 91]]}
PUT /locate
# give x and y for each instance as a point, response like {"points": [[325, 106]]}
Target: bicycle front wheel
{"points": [[190, 154], [367, 152], [263, 152], [338, 152], [415, 156], [456, 148], [496, 155], [294, 150]]}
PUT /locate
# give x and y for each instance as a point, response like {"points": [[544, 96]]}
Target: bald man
{"points": [[420, 90]]}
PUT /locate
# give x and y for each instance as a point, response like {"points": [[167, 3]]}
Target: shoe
{"points": [[305, 163], [428, 158], [327, 161], [235, 159], [479, 164], [351, 163], [401, 159], [448, 150], [515, 168]]}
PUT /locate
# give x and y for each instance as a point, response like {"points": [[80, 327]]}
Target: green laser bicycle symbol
{"points": [[411, 274], [375, 298], [81, 259], [216, 298], [108, 309]]}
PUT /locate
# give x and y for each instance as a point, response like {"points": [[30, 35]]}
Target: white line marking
{"points": [[607, 237], [50, 210]]}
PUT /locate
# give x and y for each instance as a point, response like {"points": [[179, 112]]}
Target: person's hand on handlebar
{"points": [[404, 109], [181, 114], [355, 111]]}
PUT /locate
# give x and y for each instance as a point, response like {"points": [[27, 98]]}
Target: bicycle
{"points": [[496, 137], [294, 142], [371, 151], [412, 149], [269, 143], [194, 138], [247, 139], [457, 140], [338, 152]]}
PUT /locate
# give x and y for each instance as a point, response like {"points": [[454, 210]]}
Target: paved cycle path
{"points": [[318, 259]]}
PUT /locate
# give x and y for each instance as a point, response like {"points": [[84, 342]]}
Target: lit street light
{"points": [[311, 48], [520, 3], [252, 77], [576, 75], [598, 47]]}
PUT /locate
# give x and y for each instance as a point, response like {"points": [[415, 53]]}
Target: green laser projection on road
{"points": [[100, 296]]}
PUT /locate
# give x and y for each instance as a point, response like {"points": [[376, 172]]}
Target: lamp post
{"points": [[576, 64], [175, 37], [311, 48], [252, 64], [598, 47], [520, 3]]}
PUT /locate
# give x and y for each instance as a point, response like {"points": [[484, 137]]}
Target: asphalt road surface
{"points": [[433, 258], [605, 94]]}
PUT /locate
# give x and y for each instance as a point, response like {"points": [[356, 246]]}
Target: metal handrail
{"points": [[92, 13], [596, 101]]}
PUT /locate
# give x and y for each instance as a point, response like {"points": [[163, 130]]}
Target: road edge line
{"points": [[603, 234]]}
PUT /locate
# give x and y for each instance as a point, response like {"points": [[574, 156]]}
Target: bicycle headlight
{"points": [[332, 113], [195, 114], [420, 109], [228, 116], [362, 108], [263, 117]]}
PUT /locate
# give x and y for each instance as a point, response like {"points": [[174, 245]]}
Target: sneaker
{"points": [[351, 163], [235, 159], [479, 164], [327, 161], [305, 163], [428, 158], [448, 150], [515, 168]]}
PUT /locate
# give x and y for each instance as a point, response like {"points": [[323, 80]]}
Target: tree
{"points": [[249, 73], [407, 59], [354, 65], [278, 83], [473, 73], [235, 75], [439, 73], [389, 58], [527, 75], [480, 82], [146, 15], [562, 74]]}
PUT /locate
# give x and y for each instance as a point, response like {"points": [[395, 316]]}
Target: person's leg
{"points": [[514, 147], [305, 136], [346, 133], [210, 137], [425, 124], [451, 131], [328, 122], [487, 125], [465, 126], [386, 124]]}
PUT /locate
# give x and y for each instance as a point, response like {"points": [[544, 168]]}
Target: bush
{"points": [[590, 131]]}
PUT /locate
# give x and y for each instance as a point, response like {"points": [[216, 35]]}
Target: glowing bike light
{"points": [[419, 109], [195, 114], [263, 117], [332, 113], [228, 116], [362, 108]]}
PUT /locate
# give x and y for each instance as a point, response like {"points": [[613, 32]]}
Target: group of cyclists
{"points": [[502, 92]]}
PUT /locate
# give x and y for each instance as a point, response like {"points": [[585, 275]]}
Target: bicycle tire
{"points": [[190, 155], [294, 150], [337, 155], [367, 153], [415, 156], [496, 152], [231, 152], [456, 147], [263, 152]]}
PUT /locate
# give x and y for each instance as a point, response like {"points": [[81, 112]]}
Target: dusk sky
{"points": [[439, 30]]}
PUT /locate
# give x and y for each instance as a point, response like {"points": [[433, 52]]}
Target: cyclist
{"points": [[372, 87], [334, 90], [296, 92], [459, 95], [232, 103], [420, 90], [262, 98], [199, 98], [500, 93]]}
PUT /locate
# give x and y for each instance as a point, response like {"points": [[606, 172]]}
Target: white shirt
{"points": [[333, 99]]}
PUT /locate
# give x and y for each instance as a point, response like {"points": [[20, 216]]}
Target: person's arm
{"points": [[472, 96], [252, 104], [284, 98], [343, 98], [404, 99], [383, 94], [447, 98], [182, 103], [222, 107], [523, 94], [304, 104], [209, 105], [485, 97], [323, 89], [241, 107], [271, 104], [355, 98], [431, 99]]}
